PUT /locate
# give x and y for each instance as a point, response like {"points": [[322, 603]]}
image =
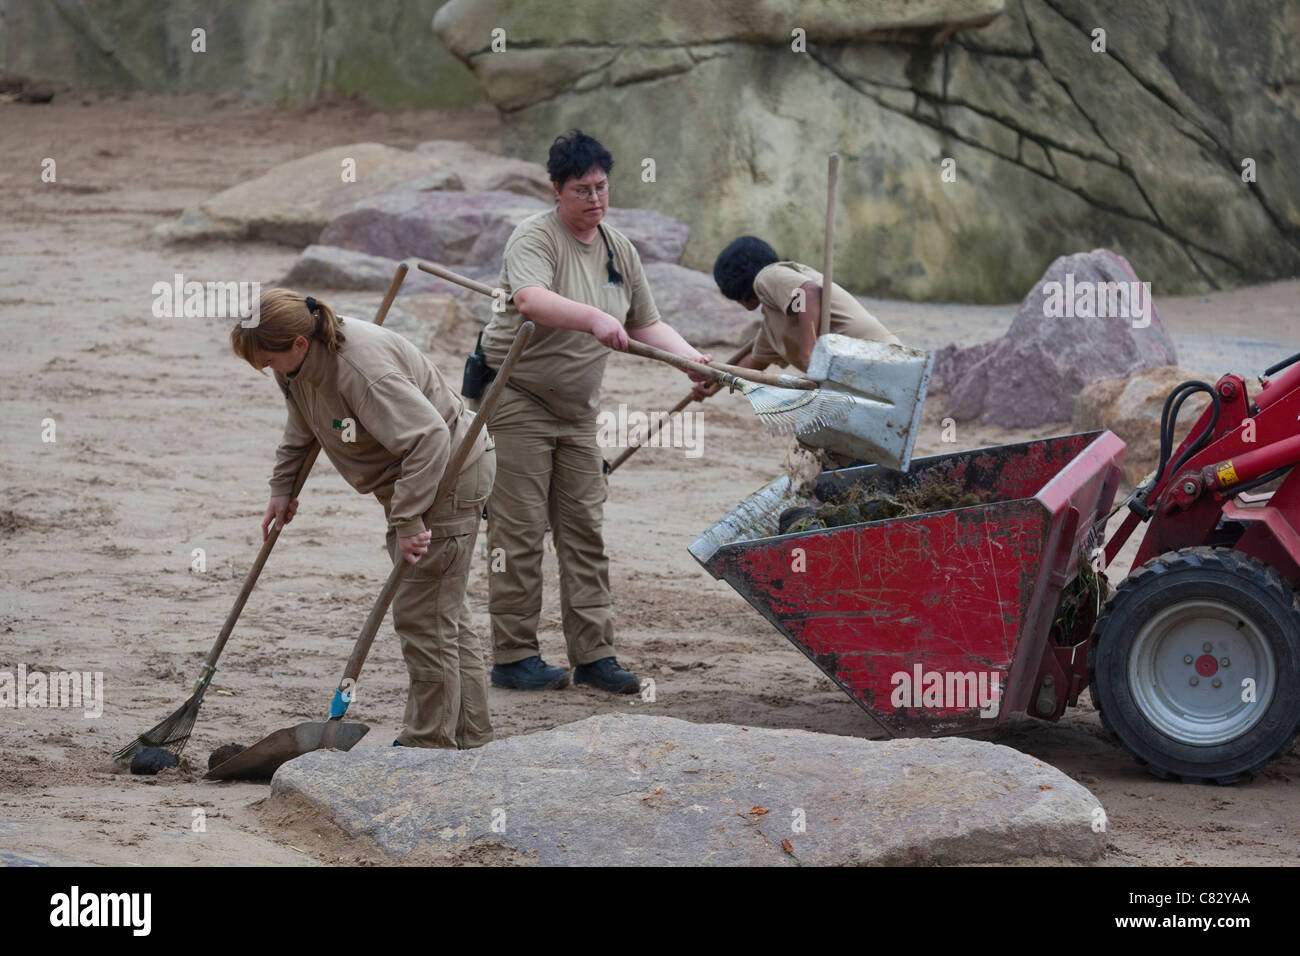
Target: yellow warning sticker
{"points": [[1227, 474]]}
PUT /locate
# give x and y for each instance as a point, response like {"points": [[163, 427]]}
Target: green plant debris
{"points": [[861, 503], [1081, 599]]}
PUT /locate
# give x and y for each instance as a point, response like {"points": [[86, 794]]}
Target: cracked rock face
{"points": [[618, 789], [287, 50], [1055, 147]]}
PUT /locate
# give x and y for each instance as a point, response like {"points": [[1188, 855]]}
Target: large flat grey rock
{"points": [[482, 171], [616, 789], [294, 201], [454, 228], [329, 267]]}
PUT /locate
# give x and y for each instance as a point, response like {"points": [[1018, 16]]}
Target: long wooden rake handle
{"points": [[209, 666], [719, 371], [715, 370], [444, 273], [680, 406], [449, 478]]}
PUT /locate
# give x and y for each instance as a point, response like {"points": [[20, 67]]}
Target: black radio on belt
{"points": [[478, 376]]}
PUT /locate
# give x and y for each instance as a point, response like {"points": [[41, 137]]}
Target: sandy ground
{"points": [[164, 443]]}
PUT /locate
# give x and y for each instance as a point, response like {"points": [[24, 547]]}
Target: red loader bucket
{"points": [[935, 623]]}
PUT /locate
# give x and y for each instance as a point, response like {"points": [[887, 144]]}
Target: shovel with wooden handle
{"points": [[262, 759], [173, 732]]}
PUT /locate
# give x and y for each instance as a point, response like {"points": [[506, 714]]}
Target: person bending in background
{"points": [[790, 294], [388, 422]]}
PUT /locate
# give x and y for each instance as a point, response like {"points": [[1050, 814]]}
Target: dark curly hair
{"points": [[573, 154], [739, 263]]}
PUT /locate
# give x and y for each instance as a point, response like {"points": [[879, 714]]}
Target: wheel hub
{"points": [[1206, 665], [1201, 673]]}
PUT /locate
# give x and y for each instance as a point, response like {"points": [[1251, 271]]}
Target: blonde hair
{"points": [[282, 317]]}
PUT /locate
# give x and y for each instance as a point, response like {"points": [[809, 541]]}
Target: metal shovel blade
{"points": [[887, 386], [262, 759]]}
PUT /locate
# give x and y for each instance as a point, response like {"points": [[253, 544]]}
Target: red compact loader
{"points": [[938, 622]]}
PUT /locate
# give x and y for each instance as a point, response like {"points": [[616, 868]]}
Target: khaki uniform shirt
{"points": [[381, 392], [563, 368], [778, 337]]}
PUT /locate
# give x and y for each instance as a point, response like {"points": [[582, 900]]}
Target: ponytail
{"points": [[282, 316], [328, 328]]}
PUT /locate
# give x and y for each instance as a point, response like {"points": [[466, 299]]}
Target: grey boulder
{"points": [[616, 789], [458, 229], [329, 267], [690, 302], [658, 238], [1088, 318], [481, 171], [292, 202]]}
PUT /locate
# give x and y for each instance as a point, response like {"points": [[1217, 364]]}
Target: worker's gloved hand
{"points": [[414, 547], [281, 510]]}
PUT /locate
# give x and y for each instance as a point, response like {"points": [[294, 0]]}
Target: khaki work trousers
{"points": [[549, 471], [446, 705]]}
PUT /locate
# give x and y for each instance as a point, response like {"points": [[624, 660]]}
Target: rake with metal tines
{"points": [[785, 404]]}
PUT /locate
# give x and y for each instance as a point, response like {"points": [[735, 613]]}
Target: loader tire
{"points": [[1160, 645]]}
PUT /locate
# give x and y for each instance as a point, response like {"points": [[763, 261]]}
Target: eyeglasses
{"points": [[588, 192]]}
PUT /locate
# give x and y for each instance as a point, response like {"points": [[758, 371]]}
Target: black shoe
{"points": [[532, 673], [608, 676]]}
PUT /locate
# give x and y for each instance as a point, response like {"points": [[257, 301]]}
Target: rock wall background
{"points": [[289, 50], [1057, 148]]}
